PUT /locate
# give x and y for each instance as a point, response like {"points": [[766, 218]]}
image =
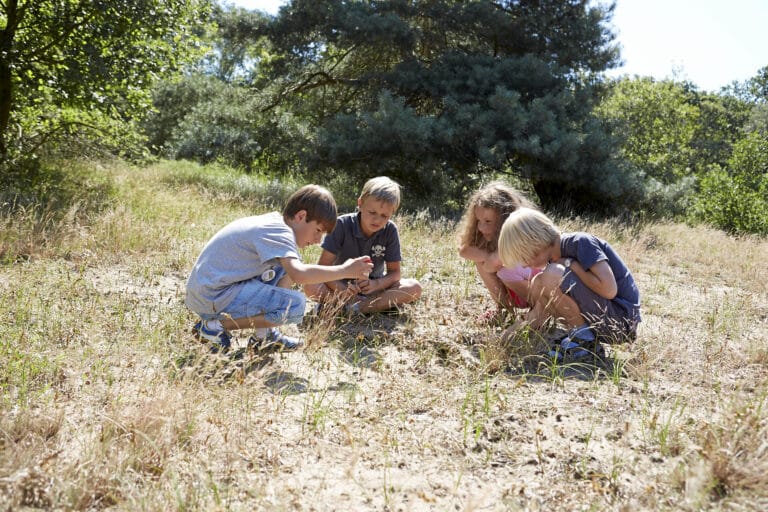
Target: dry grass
{"points": [[107, 401]]}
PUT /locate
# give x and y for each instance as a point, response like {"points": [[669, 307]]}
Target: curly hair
{"points": [[498, 196]]}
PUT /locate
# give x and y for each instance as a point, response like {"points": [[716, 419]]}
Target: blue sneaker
{"points": [[220, 340], [575, 350], [274, 340]]}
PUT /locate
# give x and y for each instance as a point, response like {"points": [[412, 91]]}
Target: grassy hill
{"points": [[108, 401]]}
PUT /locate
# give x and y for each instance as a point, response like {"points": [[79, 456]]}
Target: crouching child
{"points": [[585, 284], [368, 233]]}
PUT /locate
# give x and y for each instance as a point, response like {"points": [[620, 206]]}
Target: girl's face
{"points": [[487, 222], [541, 258]]}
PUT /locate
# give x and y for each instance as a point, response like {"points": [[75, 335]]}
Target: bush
{"points": [[53, 185], [735, 199], [206, 120], [41, 202]]}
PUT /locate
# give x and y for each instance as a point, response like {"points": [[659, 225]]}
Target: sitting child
{"points": [[244, 274], [486, 211], [585, 283], [369, 232]]}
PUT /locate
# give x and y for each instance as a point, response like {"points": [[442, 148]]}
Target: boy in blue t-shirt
{"points": [[244, 274], [368, 232], [585, 283]]}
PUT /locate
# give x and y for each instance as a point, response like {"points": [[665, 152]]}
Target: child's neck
{"points": [[554, 251]]}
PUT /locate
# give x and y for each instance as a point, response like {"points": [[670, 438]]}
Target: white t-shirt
{"points": [[246, 248]]}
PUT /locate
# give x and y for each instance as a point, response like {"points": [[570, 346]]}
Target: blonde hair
{"points": [[525, 233], [382, 188], [498, 196]]}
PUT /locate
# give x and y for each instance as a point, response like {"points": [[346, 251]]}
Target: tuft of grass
{"points": [[731, 456]]}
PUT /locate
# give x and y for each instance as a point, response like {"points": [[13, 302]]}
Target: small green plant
{"points": [[663, 428]]}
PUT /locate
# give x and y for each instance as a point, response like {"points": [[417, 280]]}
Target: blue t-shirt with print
{"points": [[587, 250], [348, 241]]}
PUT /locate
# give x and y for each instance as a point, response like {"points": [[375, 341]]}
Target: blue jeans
{"points": [[278, 305]]}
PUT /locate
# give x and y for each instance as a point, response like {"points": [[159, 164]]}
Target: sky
{"points": [[708, 42]]}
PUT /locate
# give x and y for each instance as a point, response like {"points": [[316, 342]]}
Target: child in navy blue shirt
{"points": [[585, 283], [368, 232]]}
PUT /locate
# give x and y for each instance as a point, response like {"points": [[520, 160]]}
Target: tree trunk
{"points": [[6, 99], [7, 36]]}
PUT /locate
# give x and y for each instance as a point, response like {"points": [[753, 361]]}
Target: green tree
{"points": [[658, 124], [722, 121], [235, 48], [439, 93], [757, 86], [215, 112], [206, 119], [69, 64], [735, 199]]}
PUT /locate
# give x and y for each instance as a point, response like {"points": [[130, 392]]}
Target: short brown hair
{"points": [[317, 201]]}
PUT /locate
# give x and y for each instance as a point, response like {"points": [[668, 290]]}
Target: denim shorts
{"points": [[609, 319], [255, 297]]}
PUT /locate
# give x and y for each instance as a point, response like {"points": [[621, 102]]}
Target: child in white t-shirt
{"points": [[244, 275]]}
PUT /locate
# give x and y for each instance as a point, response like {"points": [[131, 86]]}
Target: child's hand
{"points": [[359, 268], [349, 291], [368, 286]]}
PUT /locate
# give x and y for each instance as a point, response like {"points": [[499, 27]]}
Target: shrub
{"points": [[734, 199]]}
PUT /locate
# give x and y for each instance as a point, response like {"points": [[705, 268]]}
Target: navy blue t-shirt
{"points": [[587, 250], [348, 241]]}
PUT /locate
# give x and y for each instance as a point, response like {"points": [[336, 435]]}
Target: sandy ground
{"points": [[404, 412]]}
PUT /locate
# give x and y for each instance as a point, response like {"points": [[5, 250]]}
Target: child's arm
{"points": [[489, 261], [472, 253], [303, 273], [599, 278], [326, 259]]}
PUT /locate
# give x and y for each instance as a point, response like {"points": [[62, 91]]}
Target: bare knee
{"points": [[414, 288], [315, 291], [411, 287], [548, 281]]}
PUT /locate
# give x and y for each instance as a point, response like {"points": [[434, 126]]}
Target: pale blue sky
{"points": [[709, 42]]}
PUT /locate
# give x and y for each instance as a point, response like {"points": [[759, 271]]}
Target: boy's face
{"points": [[487, 222], [374, 214], [541, 258], [306, 233]]}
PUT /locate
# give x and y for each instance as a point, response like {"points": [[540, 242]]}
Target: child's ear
{"points": [[300, 215], [359, 202]]}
